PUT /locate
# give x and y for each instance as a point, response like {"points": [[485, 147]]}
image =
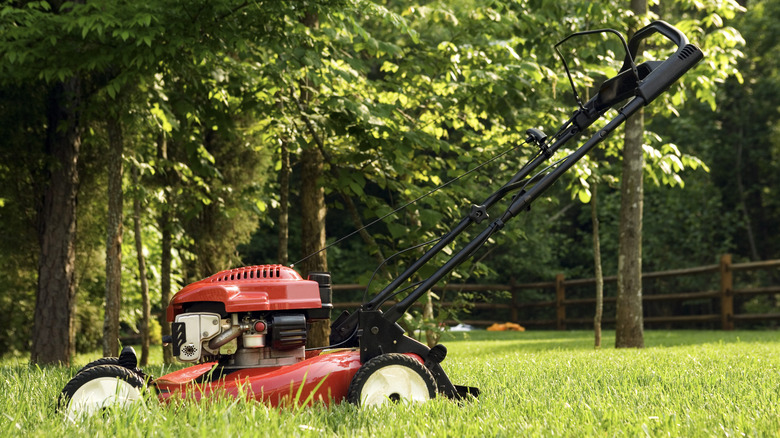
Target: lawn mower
{"points": [[244, 330]]}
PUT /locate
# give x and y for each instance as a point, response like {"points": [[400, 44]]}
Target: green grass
{"points": [[685, 383]]}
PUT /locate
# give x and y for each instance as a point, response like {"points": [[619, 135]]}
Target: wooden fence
{"points": [[722, 298]]}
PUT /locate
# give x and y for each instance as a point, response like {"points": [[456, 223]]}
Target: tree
{"points": [[114, 231], [164, 222], [629, 323], [598, 269], [51, 339], [313, 208], [139, 250]]}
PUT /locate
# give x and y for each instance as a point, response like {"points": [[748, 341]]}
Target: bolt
{"points": [[374, 330]]}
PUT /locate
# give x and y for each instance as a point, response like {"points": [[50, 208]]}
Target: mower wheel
{"points": [[391, 377], [99, 387], [126, 359], [98, 362]]}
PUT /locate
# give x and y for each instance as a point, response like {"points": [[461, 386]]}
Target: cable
{"points": [[479, 166], [365, 292]]}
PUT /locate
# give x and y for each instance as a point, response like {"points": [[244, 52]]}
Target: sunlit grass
{"points": [[684, 383]]}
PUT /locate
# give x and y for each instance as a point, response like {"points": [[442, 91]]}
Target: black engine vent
{"points": [[687, 51]]}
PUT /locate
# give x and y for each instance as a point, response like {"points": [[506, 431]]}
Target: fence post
{"points": [[726, 293], [560, 296]]}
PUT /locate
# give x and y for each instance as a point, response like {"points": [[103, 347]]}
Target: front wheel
{"points": [[100, 387], [392, 377]]}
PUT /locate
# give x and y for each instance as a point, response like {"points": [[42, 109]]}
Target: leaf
{"points": [[584, 195], [356, 188], [111, 89], [396, 230]]}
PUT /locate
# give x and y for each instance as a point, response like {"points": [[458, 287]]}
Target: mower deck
{"points": [[324, 377]]}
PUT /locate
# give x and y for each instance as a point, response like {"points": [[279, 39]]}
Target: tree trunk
{"points": [[313, 204], [166, 256], [629, 322], [594, 218], [284, 206], [364, 234], [55, 297], [313, 231], [113, 239], [629, 331], [165, 279], [139, 250], [432, 335]]}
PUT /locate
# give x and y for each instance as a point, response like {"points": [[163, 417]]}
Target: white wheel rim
{"points": [[393, 382], [100, 393]]}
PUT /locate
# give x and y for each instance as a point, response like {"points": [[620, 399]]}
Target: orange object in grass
{"points": [[507, 326]]}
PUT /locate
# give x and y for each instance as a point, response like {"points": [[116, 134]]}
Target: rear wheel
{"points": [[392, 377], [98, 362], [100, 387], [127, 359]]}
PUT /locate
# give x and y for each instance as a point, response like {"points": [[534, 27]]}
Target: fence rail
{"points": [[723, 297]]}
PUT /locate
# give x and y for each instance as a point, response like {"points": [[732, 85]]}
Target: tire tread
{"points": [[94, 372]]}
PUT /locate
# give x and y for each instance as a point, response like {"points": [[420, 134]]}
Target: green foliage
{"points": [[401, 97]]}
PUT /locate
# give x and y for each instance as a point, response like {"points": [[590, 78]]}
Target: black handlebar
{"points": [[672, 33], [662, 75]]}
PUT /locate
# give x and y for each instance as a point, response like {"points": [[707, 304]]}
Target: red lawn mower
{"points": [[245, 330]]}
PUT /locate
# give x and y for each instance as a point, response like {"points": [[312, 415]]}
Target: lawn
{"points": [[685, 383]]}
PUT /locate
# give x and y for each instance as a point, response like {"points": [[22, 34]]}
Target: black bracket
{"points": [[478, 213], [519, 194], [538, 137], [380, 336]]}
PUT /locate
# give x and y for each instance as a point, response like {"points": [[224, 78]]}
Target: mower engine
{"points": [[255, 316]]}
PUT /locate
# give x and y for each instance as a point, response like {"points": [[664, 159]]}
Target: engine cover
{"points": [[260, 288], [189, 333]]}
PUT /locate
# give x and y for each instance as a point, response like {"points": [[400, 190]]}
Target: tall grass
{"points": [[533, 384]]}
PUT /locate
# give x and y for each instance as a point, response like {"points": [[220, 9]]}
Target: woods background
{"points": [[165, 141]]}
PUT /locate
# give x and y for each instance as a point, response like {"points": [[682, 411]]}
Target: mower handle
{"points": [[662, 74], [649, 79], [670, 32], [640, 84]]}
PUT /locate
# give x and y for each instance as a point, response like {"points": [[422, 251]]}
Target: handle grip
{"points": [[665, 74], [672, 33]]}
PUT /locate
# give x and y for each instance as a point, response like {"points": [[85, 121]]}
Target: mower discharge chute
{"points": [[245, 330]]}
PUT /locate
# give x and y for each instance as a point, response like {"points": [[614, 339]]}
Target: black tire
{"points": [[391, 377], [98, 387], [98, 362], [127, 360]]}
